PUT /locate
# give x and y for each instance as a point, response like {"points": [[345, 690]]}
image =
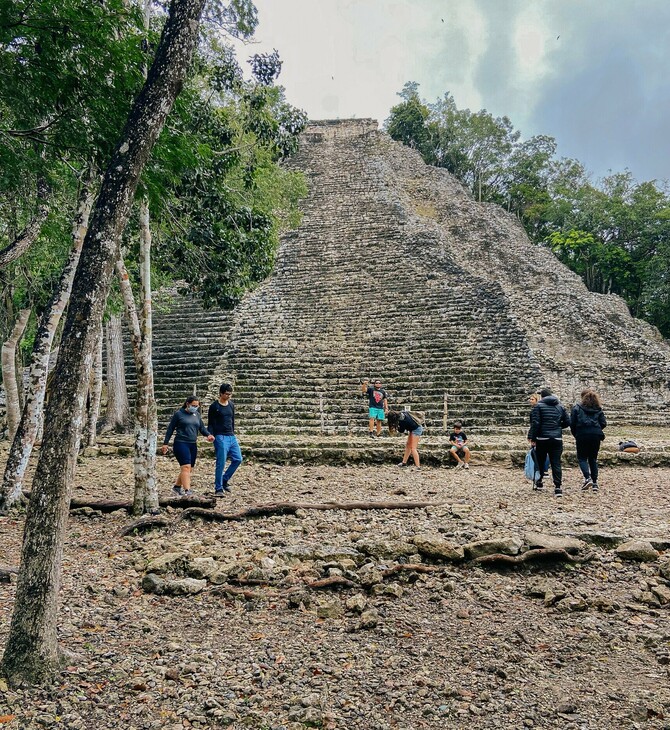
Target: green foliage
{"points": [[218, 195], [614, 234], [69, 71]]}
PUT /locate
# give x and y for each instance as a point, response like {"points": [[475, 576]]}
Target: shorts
{"points": [[376, 413], [185, 452], [417, 431], [460, 450]]}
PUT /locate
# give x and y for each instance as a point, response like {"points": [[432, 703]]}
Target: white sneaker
{"points": [[466, 465]]}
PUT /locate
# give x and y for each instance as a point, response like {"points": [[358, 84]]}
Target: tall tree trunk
{"points": [[31, 418], [9, 378], [94, 397], [117, 417], [31, 653], [146, 418]]}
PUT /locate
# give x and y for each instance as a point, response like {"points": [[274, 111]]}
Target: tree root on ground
{"points": [[290, 508], [111, 505], [537, 555]]}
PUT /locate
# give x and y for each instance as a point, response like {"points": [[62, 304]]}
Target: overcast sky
{"points": [[594, 74]]}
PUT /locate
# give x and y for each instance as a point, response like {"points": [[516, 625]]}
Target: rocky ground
{"points": [[582, 641]]}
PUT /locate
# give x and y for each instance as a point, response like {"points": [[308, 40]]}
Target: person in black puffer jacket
{"points": [[547, 421], [587, 422]]}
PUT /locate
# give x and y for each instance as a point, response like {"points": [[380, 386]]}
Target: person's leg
{"points": [[185, 477], [183, 456], [541, 452], [413, 442], [221, 456], [235, 454], [466, 456], [371, 426], [593, 460], [453, 452], [583, 460], [379, 426], [408, 450], [555, 451]]}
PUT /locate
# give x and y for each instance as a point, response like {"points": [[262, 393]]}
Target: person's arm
{"points": [[573, 420], [211, 415], [168, 434], [232, 405], [203, 430], [534, 423], [364, 387], [385, 403], [602, 420], [170, 429]]}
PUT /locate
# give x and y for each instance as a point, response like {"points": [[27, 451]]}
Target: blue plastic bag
{"points": [[531, 468]]}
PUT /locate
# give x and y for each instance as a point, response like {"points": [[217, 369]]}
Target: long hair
{"points": [[590, 399], [393, 419]]}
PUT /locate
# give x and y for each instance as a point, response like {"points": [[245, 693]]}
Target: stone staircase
{"points": [[395, 272]]}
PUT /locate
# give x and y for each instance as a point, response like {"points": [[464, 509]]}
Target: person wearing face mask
{"points": [[186, 422]]}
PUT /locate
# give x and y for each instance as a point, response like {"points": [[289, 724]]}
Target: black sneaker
{"points": [[538, 486], [402, 464], [595, 487], [178, 491], [558, 492], [373, 435], [588, 483], [219, 493]]}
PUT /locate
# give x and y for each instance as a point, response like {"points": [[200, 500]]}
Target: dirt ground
{"points": [[583, 645]]}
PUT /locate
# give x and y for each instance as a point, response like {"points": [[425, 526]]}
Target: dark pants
{"points": [[185, 452], [552, 448], [588, 446]]}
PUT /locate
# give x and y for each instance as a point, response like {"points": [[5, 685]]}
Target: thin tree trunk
{"points": [[31, 653], [117, 417], [9, 372], [29, 234], [31, 418], [94, 397], [146, 419]]}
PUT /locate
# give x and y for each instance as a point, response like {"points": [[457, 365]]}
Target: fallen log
{"points": [[112, 505], [290, 508], [537, 555]]}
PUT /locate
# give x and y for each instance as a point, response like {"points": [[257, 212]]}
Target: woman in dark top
{"points": [[403, 422], [187, 423], [587, 422]]}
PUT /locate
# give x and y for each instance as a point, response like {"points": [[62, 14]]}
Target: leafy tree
{"points": [[614, 233]]}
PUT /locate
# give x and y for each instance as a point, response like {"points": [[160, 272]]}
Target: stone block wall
{"points": [[396, 272]]}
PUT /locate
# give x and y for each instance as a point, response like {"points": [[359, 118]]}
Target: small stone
{"points": [[357, 602], [152, 583], [637, 550], [330, 609], [369, 619]]}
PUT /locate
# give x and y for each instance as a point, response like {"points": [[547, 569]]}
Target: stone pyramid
{"points": [[396, 272]]}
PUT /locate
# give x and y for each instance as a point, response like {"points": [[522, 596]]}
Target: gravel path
{"points": [[584, 645]]}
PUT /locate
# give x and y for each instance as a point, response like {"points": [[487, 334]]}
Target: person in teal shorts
{"points": [[377, 406]]}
